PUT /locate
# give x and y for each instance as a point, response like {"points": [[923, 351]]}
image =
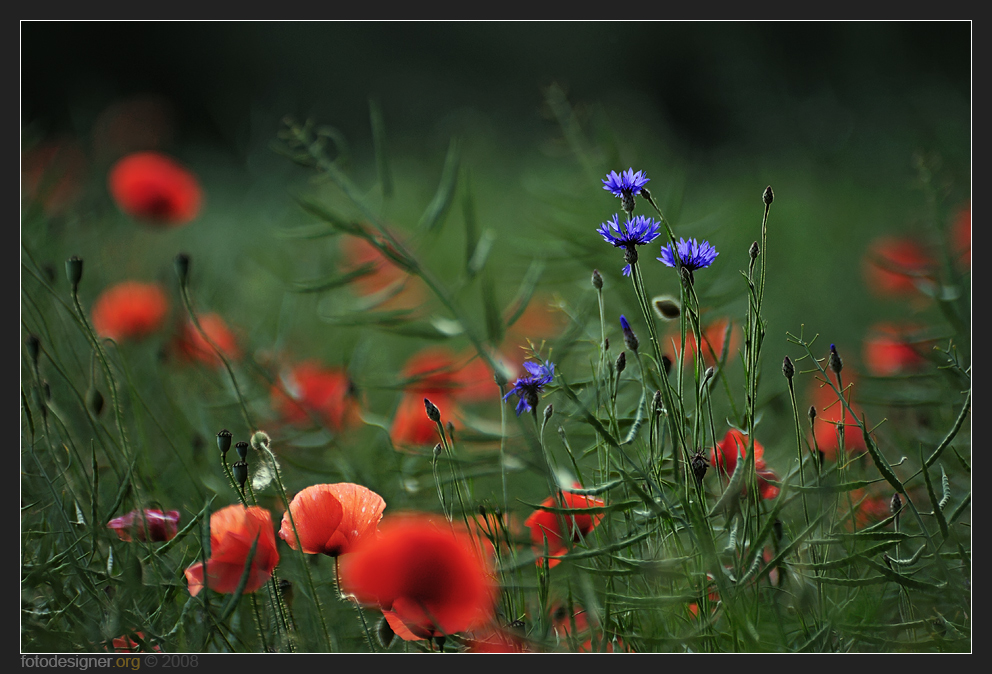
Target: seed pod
{"points": [[224, 441], [74, 271], [242, 449], [240, 470]]}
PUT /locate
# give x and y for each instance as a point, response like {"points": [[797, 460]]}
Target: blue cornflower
{"points": [[528, 388], [692, 255], [636, 232], [625, 186]]}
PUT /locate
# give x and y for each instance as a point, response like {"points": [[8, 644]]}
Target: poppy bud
{"points": [[451, 430], [753, 251], [836, 364], [666, 307], [94, 400], [482, 509], [788, 369], [768, 196], [895, 505], [548, 411], [240, 470], [433, 413], [34, 348], [710, 371], [384, 633], [629, 338], [621, 362], [699, 464], [438, 448], [242, 449], [74, 270], [182, 268], [597, 279], [260, 439], [224, 441], [812, 413]]}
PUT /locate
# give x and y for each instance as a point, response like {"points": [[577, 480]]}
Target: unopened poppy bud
{"points": [[34, 348], [753, 251], [548, 411], [242, 449], [384, 633], [94, 401], [788, 369], [182, 268], [224, 441], [438, 448], [768, 196], [597, 279], [666, 307], [433, 413], [699, 463], [240, 470], [260, 439], [451, 430], [74, 270], [710, 371], [895, 505], [812, 413], [836, 364], [621, 362], [629, 338]]}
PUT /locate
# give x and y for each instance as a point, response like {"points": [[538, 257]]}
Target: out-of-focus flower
{"points": [[724, 458], [545, 525], [828, 414], [438, 373], [961, 236], [125, 644], [541, 319], [191, 346], [411, 428], [887, 351], [528, 389], [388, 282], [635, 232], [894, 266], [692, 254], [332, 519], [428, 574], [713, 341], [52, 173], [156, 189], [233, 531], [496, 640], [562, 624], [146, 525], [315, 389], [868, 507], [130, 310]]}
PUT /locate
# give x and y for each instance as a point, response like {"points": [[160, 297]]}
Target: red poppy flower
{"points": [[125, 644], [562, 623], [385, 278], [53, 173], [233, 531], [323, 391], [426, 573], [130, 310], [191, 346], [411, 429], [893, 266], [765, 476], [713, 339], [828, 415], [961, 236], [332, 519], [547, 525], [886, 351], [724, 455], [146, 525], [155, 188]]}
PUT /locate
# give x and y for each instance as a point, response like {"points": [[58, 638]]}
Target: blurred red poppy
{"points": [[191, 346], [331, 519], [887, 352], [146, 525], [540, 320], [156, 189], [233, 531], [894, 266], [547, 525], [125, 644], [315, 389], [868, 507], [130, 310], [961, 236], [411, 429], [724, 458], [829, 413], [428, 574], [52, 173], [398, 289], [713, 341], [437, 372]]}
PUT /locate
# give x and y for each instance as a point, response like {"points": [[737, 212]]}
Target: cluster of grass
{"points": [[784, 556]]}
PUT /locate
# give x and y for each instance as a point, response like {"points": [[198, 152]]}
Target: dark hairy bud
{"points": [[754, 250], [812, 413], [699, 463], [895, 505], [788, 369], [836, 364], [621, 362], [768, 197], [597, 279], [433, 413], [548, 411]]}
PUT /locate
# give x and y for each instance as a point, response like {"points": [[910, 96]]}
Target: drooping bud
{"points": [[433, 413], [242, 449], [606, 344], [768, 196], [788, 369], [224, 441], [597, 279], [260, 439], [836, 364], [710, 371], [629, 338], [33, 345], [621, 362], [240, 470], [74, 271], [182, 268], [667, 307]]}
